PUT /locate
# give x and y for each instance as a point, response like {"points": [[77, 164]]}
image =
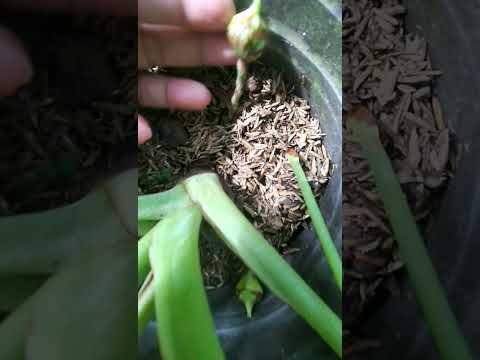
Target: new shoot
{"points": [[247, 35], [321, 229]]}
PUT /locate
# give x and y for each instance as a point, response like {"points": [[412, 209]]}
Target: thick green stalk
{"points": [[157, 206], [185, 325], [151, 209], [430, 294], [39, 243], [85, 311], [16, 289], [143, 261], [122, 192], [143, 248], [318, 221], [14, 331], [146, 305], [145, 226], [82, 312], [248, 243]]}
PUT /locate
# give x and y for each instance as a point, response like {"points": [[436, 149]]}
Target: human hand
{"points": [[180, 33], [15, 67]]}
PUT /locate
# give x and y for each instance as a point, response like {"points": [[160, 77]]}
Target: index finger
{"points": [[111, 7], [201, 15]]}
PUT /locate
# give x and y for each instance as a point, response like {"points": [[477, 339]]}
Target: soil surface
{"points": [[74, 123], [247, 149]]}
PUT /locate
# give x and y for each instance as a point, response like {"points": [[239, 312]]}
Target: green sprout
{"points": [[247, 34], [249, 291], [321, 229]]}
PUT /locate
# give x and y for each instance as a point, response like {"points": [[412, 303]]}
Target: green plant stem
{"points": [[16, 289], [57, 315], [121, 191], [14, 331], [326, 242], [145, 226], [86, 310], [146, 305], [39, 243], [248, 243], [143, 264], [258, 6], [430, 295], [242, 73], [157, 206], [185, 325]]}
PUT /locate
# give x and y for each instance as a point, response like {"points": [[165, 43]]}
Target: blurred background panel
{"points": [[68, 184], [389, 324]]}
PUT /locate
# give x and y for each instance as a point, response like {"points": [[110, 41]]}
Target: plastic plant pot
{"points": [[305, 43], [451, 30]]}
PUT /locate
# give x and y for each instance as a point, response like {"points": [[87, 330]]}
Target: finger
{"points": [[111, 7], [173, 93], [144, 131], [15, 67], [167, 46], [203, 15]]}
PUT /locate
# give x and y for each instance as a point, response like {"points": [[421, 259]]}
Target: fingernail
{"points": [[144, 131], [220, 53], [15, 67], [228, 55]]}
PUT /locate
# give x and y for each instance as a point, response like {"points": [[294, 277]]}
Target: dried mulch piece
{"points": [[255, 166], [248, 152], [387, 70], [64, 131]]}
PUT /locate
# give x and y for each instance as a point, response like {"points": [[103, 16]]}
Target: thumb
{"points": [[15, 67]]}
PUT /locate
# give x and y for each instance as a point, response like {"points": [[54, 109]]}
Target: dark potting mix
{"points": [[75, 122], [387, 70], [247, 149]]}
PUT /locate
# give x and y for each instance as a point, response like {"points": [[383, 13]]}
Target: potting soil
{"points": [[71, 125], [247, 149]]}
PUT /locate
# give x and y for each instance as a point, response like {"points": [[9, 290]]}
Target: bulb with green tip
{"points": [[247, 32], [249, 291]]}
